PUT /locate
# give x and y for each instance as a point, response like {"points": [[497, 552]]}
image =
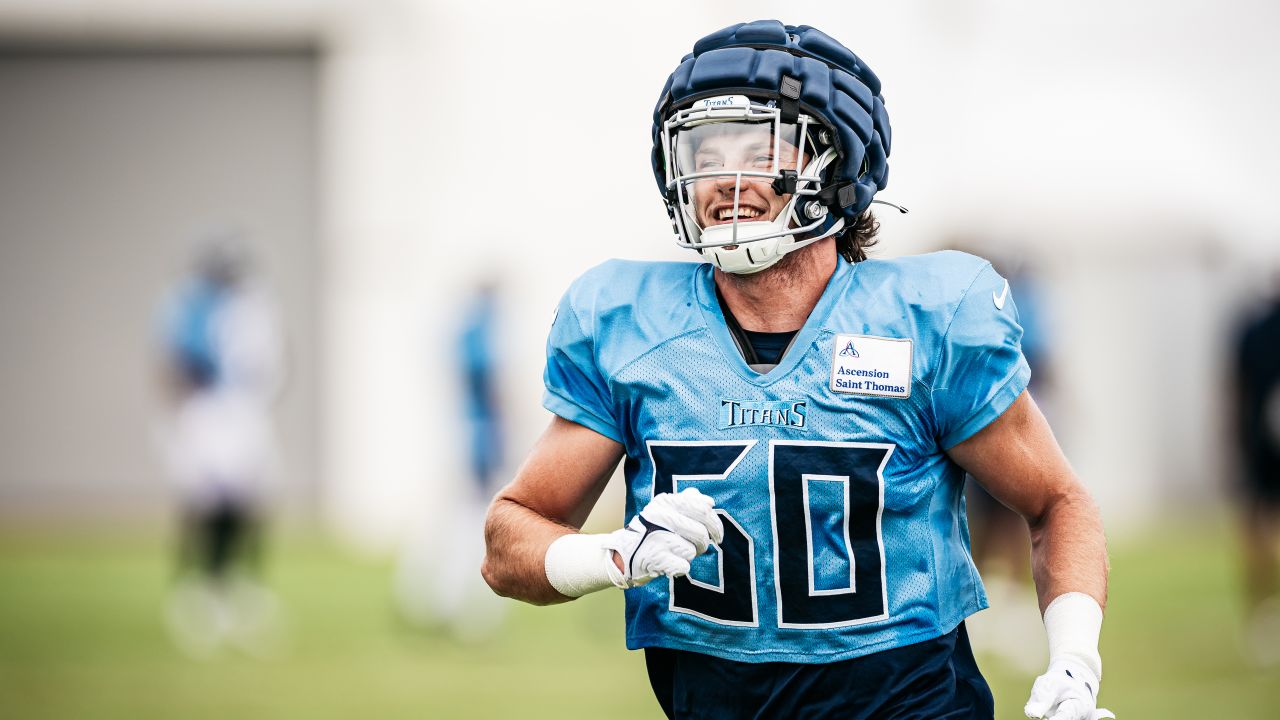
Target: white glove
{"points": [[664, 537], [1068, 690], [661, 539]]}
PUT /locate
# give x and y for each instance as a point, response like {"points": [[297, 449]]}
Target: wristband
{"points": [[1073, 622], [577, 564]]}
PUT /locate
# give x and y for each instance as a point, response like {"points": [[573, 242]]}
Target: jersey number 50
{"points": [[841, 530]]}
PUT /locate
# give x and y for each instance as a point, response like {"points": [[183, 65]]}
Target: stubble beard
{"points": [[795, 267]]}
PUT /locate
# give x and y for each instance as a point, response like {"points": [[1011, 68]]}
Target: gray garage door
{"points": [[111, 165]]}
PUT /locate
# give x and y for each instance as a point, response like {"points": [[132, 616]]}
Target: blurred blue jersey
{"points": [[845, 529], [190, 334]]}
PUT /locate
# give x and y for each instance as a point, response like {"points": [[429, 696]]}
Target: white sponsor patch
{"points": [[867, 365]]}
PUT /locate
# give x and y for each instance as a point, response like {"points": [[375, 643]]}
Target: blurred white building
{"points": [[1128, 147]]}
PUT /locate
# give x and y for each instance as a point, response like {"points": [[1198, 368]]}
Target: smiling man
{"points": [[795, 422], [722, 150]]}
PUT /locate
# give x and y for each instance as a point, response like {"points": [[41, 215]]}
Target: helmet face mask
{"points": [[740, 182]]}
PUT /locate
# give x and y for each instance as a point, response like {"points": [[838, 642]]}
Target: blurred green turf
{"points": [[81, 638]]}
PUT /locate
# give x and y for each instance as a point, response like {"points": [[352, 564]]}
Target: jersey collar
{"points": [[705, 292]]}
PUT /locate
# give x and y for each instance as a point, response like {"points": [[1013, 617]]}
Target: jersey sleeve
{"points": [[576, 389], [981, 369]]}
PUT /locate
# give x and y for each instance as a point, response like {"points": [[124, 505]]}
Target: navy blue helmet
{"points": [[768, 137]]}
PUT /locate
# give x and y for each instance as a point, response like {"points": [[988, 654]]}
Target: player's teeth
{"points": [[744, 213]]}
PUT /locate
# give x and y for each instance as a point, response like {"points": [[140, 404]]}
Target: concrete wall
{"points": [[115, 163]]}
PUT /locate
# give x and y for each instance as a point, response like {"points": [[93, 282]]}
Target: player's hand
{"points": [[689, 514], [664, 537], [1068, 690]]}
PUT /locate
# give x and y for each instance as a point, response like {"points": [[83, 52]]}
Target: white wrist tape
{"points": [[1073, 622], [577, 564]]}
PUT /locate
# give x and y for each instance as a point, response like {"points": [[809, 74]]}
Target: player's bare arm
{"points": [[551, 496], [1018, 461]]}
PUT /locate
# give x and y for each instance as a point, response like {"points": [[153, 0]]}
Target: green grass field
{"points": [[81, 638]]}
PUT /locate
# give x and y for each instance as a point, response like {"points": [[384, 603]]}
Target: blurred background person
{"points": [[437, 583], [478, 363], [223, 373], [1257, 396]]}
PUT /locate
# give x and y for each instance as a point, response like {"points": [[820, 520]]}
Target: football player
{"points": [[795, 422], [224, 358], [1257, 412]]}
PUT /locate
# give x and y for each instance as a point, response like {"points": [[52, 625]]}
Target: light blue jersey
{"points": [[844, 520]]}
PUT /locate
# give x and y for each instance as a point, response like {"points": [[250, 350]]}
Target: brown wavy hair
{"points": [[852, 242]]}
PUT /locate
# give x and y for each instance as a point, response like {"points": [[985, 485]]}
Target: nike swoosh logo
{"points": [[1000, 299]]}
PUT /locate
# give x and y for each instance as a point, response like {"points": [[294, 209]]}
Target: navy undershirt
{"points": [[769, 346]]}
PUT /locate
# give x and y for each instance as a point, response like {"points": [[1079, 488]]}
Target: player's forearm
{"points": [[1068, 549], [516, 542]]}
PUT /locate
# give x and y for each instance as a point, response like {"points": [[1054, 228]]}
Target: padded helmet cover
{"points": [[836, 87]]}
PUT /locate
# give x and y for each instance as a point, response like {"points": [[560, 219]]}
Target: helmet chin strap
{"points": [[732, 261], [742, 261], [751, 253]]}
